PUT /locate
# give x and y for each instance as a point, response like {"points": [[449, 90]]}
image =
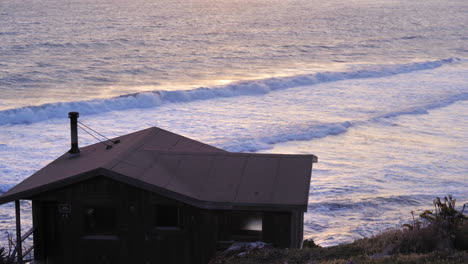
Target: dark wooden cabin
{"points": [[158, 197]]}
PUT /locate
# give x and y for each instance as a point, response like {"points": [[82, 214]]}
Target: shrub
{"points": [[445, 214], [448, 221], [445, 228], [309, 243], [3, 257]]}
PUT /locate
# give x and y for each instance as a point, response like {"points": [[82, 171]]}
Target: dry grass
{"points": [[424, 240], [343, 254]]}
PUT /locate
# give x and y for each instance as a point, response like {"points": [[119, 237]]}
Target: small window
{"points": [[246, 226], [248, 221], [167, 216], [100, 220]]}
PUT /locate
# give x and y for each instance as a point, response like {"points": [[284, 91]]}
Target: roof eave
{"points": [[209, 205], [28, 194]]}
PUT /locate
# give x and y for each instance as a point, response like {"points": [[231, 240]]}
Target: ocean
{"points": [[378, 90]]}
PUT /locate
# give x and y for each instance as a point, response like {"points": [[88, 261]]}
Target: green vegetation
{"points": [[439, 236]]}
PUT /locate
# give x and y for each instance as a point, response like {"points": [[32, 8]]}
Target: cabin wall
{"points": [[146, 228], [297, 227], [62, 234], [277, 229], [281, 229]]}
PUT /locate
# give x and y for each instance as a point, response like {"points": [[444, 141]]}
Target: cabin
{"points": [[153, 196]]}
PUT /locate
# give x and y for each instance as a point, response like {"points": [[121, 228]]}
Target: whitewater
{"points": [[378, 90]]}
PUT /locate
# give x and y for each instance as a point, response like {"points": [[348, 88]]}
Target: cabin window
{"points": [[99, 220], [246, 226], [167, 217]]}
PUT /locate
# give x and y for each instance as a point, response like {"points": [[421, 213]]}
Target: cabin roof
{"points": [[181, 168]]}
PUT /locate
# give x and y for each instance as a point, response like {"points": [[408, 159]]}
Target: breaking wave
{"points": [[317, 130], [321, 130], [31, 114], [424, 109]]}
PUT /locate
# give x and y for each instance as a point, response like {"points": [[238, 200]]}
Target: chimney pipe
{"points": [[74, 132]]}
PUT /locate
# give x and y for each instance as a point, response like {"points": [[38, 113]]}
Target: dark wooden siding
{"points": [[62, 236]]}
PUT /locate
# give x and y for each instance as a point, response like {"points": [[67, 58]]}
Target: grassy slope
{"points": [[353, 253], [444, 239]]}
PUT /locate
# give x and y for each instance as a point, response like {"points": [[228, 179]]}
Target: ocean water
{"points": [[378, 90]]}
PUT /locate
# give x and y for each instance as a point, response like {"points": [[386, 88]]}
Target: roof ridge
{"points": [[134, 147]]}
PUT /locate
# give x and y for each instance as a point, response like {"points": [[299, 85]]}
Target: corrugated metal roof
{"points": [[167, 161]]}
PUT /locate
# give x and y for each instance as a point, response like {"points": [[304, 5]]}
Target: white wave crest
{"points": [[317, 130], [31, 114], [321, 130], [424, 109]]}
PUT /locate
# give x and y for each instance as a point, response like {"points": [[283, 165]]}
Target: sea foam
{"points": [[311, 131], [320, 130], [31, 114]]}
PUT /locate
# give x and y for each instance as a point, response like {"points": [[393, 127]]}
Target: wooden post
{"points": [[18, 232]]}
